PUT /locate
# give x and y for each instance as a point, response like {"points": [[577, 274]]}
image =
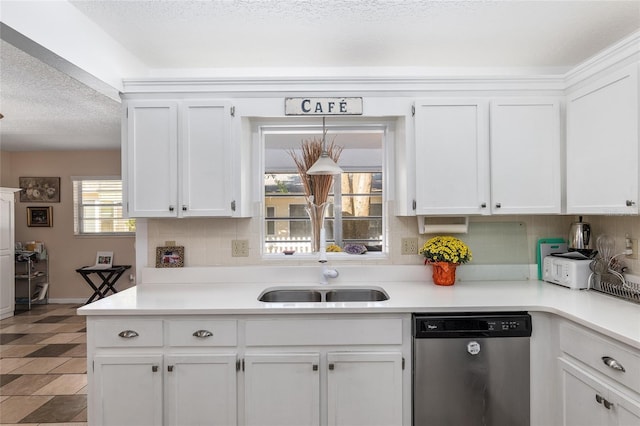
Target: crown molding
{"points": [[624, 51]]}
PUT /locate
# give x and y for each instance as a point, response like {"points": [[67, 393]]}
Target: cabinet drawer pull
{"points": [[612, 363], [607, 404], [202, 334], [128, 334], [599, 399]]}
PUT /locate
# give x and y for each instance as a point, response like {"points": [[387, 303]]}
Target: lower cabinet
{"points": [[362, 388], [193, 389], [260, 372], [588, 401]]}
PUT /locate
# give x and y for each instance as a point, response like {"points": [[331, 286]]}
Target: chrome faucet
{"points": [[325, 272]]}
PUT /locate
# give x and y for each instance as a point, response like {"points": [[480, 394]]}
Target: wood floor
{"points": [[43, 367]]}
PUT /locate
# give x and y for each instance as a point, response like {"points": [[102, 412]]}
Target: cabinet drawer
{"points": [[128, 333], [596, 351], [202, 332], [315, 332]]}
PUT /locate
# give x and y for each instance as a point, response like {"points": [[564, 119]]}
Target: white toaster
{"points": [[572, 273]]}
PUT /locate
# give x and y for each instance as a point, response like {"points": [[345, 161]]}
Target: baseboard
{"points": [[60, 301]]}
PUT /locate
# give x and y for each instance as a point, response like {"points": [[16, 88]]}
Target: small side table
{"points": [[109, 277]]}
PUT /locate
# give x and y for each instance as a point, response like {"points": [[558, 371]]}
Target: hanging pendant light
{"points": [[325, 164]]}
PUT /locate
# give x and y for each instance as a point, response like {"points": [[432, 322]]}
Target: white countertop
{"points": [[606, 314]]}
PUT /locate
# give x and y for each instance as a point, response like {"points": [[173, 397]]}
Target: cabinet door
{"points": [[602, 145], [128, 390], [206, 159], [627, 410], [150, 161], [282, 390], [201, 390], [582, 398], [525, 156], [452, 157], [364, 388]]}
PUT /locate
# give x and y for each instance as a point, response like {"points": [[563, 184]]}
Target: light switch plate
{"points": [[240, 248]]}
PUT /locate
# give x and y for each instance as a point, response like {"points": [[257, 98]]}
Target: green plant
{"points": [[445, 249]]}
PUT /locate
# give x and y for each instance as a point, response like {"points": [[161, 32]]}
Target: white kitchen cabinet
{"points": [[602, 145], [525, 156], [177, 158], [364, 388], [452, 157], [200, 389], [127, 390], [282, 389], [588, 401], [7, 253], [472, 159]]}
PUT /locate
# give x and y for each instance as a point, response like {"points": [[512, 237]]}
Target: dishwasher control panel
{"points": [[471, 325]]}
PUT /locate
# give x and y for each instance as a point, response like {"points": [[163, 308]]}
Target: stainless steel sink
{"points": [[290, 296], [356, 295], [322, 294]]}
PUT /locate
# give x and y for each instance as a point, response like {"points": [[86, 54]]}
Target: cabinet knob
{"points": [[128, 334], [332, 366], [154, 368], [169, 368], [202, 334], [612, 363], [483, 205], [184, 208], [315, 367], [607, 404], [599, 399], [171, 208], [630, 203], [498, 205]]}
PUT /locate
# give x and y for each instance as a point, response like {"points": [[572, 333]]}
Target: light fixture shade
{"points": [[324, 166]]}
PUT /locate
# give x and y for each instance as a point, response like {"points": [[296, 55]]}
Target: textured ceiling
{"points": [[45, 109]]}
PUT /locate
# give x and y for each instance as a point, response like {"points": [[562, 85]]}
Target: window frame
{"points": [[78, 218], [385, 125]]}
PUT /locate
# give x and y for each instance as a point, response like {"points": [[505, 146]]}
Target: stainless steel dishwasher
{"points": [[471, 369]]}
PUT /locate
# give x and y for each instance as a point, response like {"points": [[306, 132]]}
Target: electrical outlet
{"points": [[634, 249], [409, 246], [240, 248]]}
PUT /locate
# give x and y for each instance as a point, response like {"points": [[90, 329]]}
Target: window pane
{"points": [[98, 207]]}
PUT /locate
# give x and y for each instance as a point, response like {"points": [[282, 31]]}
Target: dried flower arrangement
{"points": [[316, 186]]}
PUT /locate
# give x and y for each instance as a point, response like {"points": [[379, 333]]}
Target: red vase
{"points": [[444, 273]]}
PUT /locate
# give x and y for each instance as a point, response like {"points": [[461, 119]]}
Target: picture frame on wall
{"points": [[39, 189], [170, 257], [40, 216]]}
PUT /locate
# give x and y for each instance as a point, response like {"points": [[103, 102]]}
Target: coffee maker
{"points": [[579, 236]]}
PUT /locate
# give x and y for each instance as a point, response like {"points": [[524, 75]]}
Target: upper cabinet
{"points": [[525, 156], [602, 145], [452, 156], [177, 158], [488, 157]]}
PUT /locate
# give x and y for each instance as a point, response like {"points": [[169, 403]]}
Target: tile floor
{"points": [[43, 367]]}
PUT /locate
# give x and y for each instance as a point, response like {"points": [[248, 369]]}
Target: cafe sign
{"points": [[323, 106]]}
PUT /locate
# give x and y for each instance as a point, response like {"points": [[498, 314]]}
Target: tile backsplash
{"points": [[208, 241]]}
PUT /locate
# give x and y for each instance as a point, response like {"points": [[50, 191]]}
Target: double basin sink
{"points": [[322, 294]]}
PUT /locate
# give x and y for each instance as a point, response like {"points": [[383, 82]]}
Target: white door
{"points": [[7, 266], [364, 388], [205, 148], [582, 398], [150, 169], [282, 390], [602, 145], [128, 390], [525, 156], [201, 390], [452, 156]]}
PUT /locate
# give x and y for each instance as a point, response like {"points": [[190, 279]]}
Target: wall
{"points": [[66, 251], [207, 242]]}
